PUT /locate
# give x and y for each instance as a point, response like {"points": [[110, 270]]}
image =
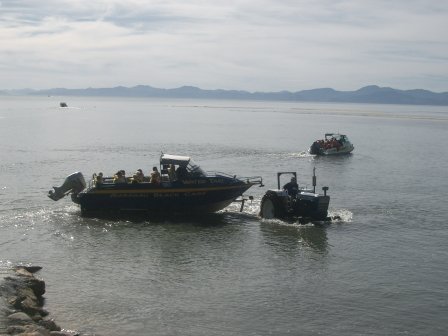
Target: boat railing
{"points": [[248, 179], [105, 180], [217, 174], [253, 180], [210, 174]]}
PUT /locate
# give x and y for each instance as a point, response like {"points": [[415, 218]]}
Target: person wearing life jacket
{"points": [[155, 176], [172, 172], [119, 177], [99, 178], [138, 176]]}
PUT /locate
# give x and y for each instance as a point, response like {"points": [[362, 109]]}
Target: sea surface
{"points": [[382, 269]]}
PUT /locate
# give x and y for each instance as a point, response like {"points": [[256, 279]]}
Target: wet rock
{"points": [[20, 317], [24, 272], [50, 325], [29, 330], [32, 308], [37, 285], [7, 311], [26, 301], [14, 284], [15, 329], [31, 269]]}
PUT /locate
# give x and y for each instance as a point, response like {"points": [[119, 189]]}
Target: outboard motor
{"points": [[74, 183]]}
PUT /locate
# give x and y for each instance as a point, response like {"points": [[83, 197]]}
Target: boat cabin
{"points": [[184, 166]]}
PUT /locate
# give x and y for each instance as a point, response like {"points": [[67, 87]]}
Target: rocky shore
{"points": [[24, 312]]}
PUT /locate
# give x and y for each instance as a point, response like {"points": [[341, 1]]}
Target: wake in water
{"points": [[344, 215], [302, 154], [252, 209], [56, 219], [338, 217]]}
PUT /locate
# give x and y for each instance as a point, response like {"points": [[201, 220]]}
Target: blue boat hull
{"points": [[167, 198]]}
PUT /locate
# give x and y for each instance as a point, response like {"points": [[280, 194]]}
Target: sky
{"points": [[251, 45]]}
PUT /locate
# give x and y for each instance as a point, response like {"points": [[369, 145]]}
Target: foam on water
{"points": [[342, 215]]}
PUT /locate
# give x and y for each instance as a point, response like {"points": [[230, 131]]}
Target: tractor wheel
{"points": [[272, 206]]}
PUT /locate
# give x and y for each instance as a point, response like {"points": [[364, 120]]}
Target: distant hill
{"points": [[370, 94]]}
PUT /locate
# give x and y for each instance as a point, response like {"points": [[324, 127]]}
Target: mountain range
{"points": [[370, 94]]}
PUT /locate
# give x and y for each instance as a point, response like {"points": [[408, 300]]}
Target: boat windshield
{"points": [[194, 169], [336, 136]]}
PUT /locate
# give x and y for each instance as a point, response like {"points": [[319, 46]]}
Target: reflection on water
{"points": [[142, 218], [334, 159], [289, 237]]}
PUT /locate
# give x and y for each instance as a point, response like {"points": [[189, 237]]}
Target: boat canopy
{"points": [[175, 160], [337, 136], [182, 161]]}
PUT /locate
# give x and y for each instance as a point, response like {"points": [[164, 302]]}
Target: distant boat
{"points": [[63, 104], [334, 143]]}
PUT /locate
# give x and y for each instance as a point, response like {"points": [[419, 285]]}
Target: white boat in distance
{"points": [[332, 144]]}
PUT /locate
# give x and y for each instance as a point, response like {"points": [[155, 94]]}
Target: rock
{"points": [[15, 329], [20, 318], [13, 283], [31, 269], [27, 302], [38, 286], [31, 307], [7, 311], [23, 272], [28, 330], [50, 325]]}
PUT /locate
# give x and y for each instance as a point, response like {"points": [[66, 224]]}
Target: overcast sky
{"points": [[253, 45]]}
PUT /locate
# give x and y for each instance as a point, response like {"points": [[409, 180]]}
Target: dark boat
{"points": [[63, 104], [191, 190]]}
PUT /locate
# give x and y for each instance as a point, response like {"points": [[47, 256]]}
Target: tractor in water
{"points": [[298, 204]]}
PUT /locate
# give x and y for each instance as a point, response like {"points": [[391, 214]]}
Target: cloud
{"points": [[264, 45]]}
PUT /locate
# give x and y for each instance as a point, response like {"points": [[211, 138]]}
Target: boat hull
{"points": [[166, 199], [337, 151]]}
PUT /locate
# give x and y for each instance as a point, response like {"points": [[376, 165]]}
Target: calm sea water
{"points": [[381, 270]]}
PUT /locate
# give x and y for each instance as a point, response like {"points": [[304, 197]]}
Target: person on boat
{"points": [[124, 175], [172, 172], [155, 176], [292, 187], [119, 177], [134, 179], [138, 176], [181, 173], [99, 178]]}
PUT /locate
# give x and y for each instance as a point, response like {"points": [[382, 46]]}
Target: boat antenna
{"points": [[314, 180]]}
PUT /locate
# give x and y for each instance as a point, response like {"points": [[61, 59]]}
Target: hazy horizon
{"points": [[207, 89]]}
